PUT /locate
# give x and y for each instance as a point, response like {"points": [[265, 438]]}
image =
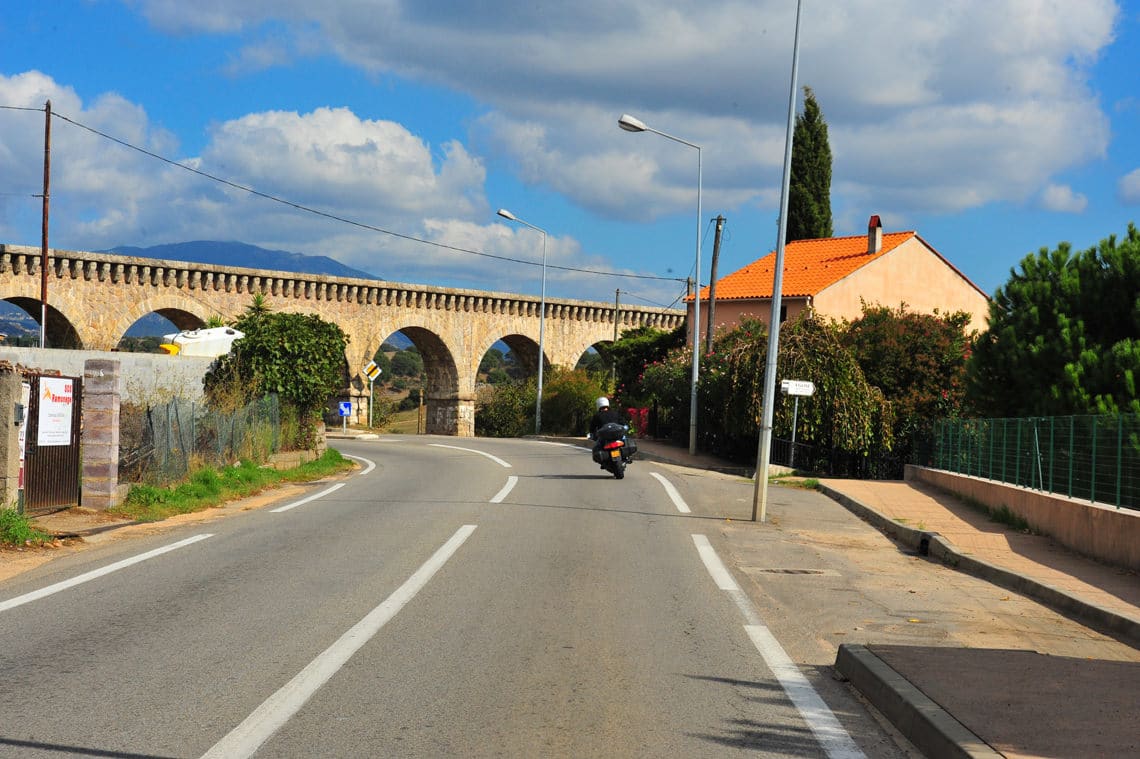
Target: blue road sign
{"points": [[346, 408]]}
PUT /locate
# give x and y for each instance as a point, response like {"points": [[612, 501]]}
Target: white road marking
{"points": [[367, 469], [496, 459], [313, 497], [511, 482], [257, 728], [94, 574], [674, 496], [566, 445], [830, 734]]}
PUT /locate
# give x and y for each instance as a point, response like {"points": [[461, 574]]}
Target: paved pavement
{"points": [[955, 702]]}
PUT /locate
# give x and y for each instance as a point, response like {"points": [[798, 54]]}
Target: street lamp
{"points": [[631, 124], [541, 317]]}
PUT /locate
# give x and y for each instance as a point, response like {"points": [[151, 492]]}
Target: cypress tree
{"points": [[809, 189]]}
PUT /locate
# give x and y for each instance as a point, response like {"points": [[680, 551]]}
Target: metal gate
{"points": [[51, 444]]}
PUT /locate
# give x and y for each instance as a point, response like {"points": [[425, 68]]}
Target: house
{"points": [[832, 276]]}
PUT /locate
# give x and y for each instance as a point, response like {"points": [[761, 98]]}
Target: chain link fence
{"points": [[1096, 458], [161, 444]]}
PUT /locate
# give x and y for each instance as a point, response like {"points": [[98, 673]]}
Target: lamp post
{"points": [[541, 317], [631, 124], [763, 455]]}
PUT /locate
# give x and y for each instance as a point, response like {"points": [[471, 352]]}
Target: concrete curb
{"points": [[924, 723], [931, 544]]}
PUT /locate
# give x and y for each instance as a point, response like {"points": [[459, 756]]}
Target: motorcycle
{"points": [[614, 449]]}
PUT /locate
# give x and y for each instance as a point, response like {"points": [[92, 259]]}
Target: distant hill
{"points": [[244, 255]]}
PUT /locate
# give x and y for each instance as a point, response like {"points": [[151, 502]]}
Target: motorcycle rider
{"points": [[604, 415]]}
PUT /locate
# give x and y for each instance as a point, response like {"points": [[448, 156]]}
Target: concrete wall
{"points": [[1104, 533], [146, 377]]}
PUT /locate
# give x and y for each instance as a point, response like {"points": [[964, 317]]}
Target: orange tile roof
{"points": [[810, 266]]}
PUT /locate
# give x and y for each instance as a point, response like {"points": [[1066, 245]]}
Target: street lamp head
{"points": [[631, 124], [507, 214]]}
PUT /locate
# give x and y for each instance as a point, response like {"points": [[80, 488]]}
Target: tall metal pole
{"points": [[44, 225], [631, 124], [541, 317], [760, 491], [613, 360]]}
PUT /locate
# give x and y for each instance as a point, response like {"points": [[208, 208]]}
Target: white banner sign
{"points": [[56, 397]]}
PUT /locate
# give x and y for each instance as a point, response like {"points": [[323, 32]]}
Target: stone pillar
{"points": [[102, 389], [451, 414], [9, 437]]}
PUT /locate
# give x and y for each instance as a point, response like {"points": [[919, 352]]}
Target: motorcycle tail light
{"points": [[614, 444]]}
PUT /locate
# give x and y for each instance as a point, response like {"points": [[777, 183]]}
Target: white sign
{"points": [[797, 387], [371, 371], [56, 398]]}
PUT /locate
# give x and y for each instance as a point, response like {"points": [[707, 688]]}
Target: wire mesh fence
{"points": [[1096, 458], [160, 444]]}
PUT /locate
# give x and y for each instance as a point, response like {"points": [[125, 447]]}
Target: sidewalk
{"points": [[953, 702]]}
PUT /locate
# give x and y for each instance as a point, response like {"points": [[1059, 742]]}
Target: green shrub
{"points": [[16, 529]]}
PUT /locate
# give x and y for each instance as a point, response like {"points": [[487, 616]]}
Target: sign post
{"points": [[371, 371], [345, 410], [796, 389]]}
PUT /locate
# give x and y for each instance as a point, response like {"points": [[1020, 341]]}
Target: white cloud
{"points": [[1061, 198], [970, 102], [1128, 189]]}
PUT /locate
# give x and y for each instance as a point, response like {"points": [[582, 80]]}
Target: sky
{"points": [[386, 133]]}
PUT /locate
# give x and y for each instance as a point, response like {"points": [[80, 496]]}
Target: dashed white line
{"points": [[674, 496], [511, 482], [496, 459], [830, 734], [313, 497], [94, 574], [257, 728]]}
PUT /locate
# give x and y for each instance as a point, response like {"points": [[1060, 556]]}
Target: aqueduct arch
{"points": [[100, 295]]}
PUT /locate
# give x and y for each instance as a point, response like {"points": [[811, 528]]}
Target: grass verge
{"points": [[210, 487], [16, 530]]}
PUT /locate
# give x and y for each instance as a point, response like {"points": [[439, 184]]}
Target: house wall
{"points": [[911, 274], [729, 313]]}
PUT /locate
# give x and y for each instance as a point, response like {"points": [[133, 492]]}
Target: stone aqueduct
{"points": [[94, 298]]}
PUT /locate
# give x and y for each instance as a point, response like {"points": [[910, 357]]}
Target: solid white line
{"points": [[312, 497], [511, 482], [496, 459], [831, 736], [671, 491], [367, 469], [566, 445], [94, 574], [245, 739]]}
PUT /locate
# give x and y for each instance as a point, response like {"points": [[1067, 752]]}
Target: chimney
{"points": [[874, 236]]}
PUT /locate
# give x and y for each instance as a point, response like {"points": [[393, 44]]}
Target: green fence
{"points": [[160, 444], [1096, 458]]}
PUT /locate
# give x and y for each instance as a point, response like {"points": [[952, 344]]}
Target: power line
{"points": [[334, 217]]}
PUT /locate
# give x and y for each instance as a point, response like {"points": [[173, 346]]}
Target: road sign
{"points": [[371, 371], [346, 408], [797, 387]]}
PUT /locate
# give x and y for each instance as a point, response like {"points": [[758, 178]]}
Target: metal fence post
{"points": [[1092, 467]]}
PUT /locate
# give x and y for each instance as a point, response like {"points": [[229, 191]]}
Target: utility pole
{"points": [[613, 359], [712, 285], [44, 230]]}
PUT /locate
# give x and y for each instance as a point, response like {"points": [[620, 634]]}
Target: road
{"points": [[470, 597]]}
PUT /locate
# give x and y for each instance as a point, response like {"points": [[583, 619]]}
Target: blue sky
{"points": [[992, 127]]}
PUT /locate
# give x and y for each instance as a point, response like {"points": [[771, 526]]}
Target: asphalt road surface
{"points": [[452, 598]]}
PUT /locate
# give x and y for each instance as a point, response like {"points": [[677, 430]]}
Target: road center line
{"points": [[830, 734], [496, 459], [257, 728], [312, 497], [674, 496], [96, 573], [511, 482]]}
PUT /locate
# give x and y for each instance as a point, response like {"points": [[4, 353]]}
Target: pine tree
{"points": [[809, 190]]}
